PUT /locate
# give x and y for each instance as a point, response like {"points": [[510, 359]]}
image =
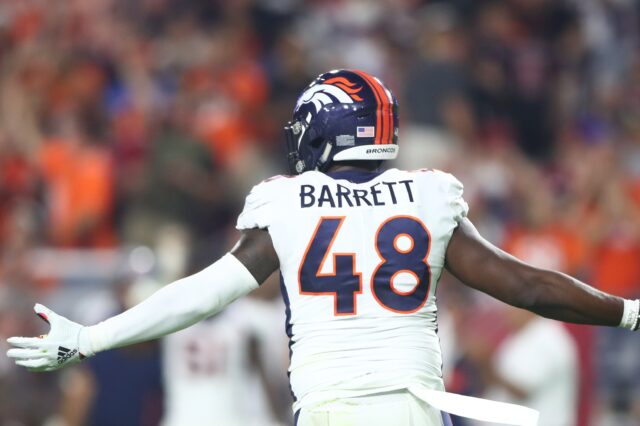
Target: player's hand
{"points": [[66, 344]]}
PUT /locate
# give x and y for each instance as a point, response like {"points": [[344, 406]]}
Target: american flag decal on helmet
{"points": [[366, 131]]}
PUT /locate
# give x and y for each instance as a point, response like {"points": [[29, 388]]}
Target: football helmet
{"points": [[342, 115]]}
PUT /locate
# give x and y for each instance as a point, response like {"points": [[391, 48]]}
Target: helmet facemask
{"points": [[307, 149]]}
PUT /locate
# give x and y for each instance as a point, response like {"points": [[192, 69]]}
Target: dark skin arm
{"points": [[255, 251], [482, 266]]}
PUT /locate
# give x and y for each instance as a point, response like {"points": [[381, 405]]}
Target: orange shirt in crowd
{"points": [[242, 90], [79, 193], [616, 266], [551, 247]]}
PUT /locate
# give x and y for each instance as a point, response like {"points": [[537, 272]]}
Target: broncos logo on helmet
{"points": [[342, 115], [337, 89]]}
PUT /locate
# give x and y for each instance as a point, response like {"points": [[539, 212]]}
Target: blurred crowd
{"points": [[130, 133]]}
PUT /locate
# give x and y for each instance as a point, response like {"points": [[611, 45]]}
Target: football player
{"points": [[215, 372], [360, 251]]}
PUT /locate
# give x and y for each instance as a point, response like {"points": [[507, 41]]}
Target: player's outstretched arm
{"points": [[173, 307], [481, 265]]}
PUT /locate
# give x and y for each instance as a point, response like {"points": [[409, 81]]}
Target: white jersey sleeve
{"points": [[453, 189], [259, 205]]}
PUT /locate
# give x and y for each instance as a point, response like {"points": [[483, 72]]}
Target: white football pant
{"points": [[398, 408]]}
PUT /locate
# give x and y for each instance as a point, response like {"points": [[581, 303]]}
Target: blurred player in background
{"points": [[219, 369], [360, 250], [548, 383]]}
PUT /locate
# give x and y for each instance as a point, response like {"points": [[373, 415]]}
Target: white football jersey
{"points": [[208, 376], [360, 256]]}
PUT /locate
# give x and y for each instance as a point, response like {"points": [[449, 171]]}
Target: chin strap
{"points": [[323, 160]]}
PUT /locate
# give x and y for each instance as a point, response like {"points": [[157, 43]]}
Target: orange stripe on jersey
{"points": [[380, 100]]}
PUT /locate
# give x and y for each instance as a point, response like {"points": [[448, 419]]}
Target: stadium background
{"points": [[130, 133]]}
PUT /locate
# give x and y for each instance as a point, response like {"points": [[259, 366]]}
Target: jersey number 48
{"points": [[344, 283]]}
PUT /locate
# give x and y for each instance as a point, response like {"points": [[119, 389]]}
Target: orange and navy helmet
{"points": [[343, 115]]}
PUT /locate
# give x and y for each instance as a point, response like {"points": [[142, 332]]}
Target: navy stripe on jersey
{"points": [[287, 328], [355, 176], [446, 419]]}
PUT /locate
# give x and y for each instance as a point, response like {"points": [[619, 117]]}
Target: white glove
{"points": [[67, 343]]}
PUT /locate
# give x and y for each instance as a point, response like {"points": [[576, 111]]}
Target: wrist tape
{"points": [[631, 315]]}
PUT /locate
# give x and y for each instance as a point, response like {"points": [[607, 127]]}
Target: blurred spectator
{"points": [[437, 78], [536, 366], [78, 190], [179, 186]]}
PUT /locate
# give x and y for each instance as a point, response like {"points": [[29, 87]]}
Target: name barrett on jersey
{"points": [[335, 195]]}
